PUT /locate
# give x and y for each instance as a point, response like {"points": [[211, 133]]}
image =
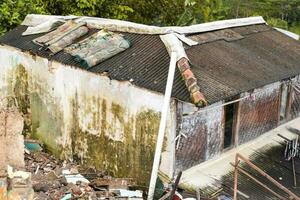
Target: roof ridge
{"points": [[132, 27]]}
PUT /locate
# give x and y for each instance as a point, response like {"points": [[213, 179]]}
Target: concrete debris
{"points": [[74, 178], [67, 196], [128, 193], [15, 185], [3, 188], [224, 197], [112, 183], [55, 179]]}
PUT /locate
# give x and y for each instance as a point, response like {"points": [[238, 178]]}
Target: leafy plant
{"points": [[12, 12], [280, 13]]}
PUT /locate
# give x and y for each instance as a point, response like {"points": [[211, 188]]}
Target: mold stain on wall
{"points": [[89, 123], [18, 85], [46, 125], [39, 122], [128, 153]]}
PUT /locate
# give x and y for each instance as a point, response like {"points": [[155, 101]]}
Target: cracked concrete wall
{"points": [[80, 115]]}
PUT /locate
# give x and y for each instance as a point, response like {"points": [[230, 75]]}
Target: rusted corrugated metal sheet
{"points": [[203, 131], [223, 68], [295, 106], [259, 113]]}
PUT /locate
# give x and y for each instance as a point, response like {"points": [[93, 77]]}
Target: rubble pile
{"points": [[29, 173], [54, 179]]}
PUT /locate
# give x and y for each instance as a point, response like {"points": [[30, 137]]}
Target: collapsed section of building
{"points": [[92, 89]]}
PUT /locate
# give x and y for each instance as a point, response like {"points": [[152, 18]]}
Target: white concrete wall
{"points": [[71, 108]]}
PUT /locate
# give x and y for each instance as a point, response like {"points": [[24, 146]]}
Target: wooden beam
{"points": [[264, 174], [236, 123], [289, 103]]}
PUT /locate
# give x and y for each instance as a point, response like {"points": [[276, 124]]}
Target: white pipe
{"points": [[162, 125]]}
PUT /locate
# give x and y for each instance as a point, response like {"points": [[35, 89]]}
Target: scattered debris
{"points": [[3, 186], [292, 150], [67, 196], [74, 178], [55, 179], [15, 184], [112, 183]]}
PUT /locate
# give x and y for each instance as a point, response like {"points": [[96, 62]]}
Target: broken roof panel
{"points": [[97, 48], [253, 56]]}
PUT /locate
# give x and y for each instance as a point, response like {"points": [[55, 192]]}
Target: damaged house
{"points": [[92, 89]]}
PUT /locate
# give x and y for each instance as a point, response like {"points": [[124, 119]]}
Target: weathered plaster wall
{"points": [[203, 130], [101, 122]]}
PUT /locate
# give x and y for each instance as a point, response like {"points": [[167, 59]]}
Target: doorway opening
{"points": [[229, 125]]}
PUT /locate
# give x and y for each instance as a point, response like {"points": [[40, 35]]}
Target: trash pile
{"points": [[59, 180]]}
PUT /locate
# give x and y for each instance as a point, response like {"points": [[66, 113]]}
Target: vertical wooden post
{"points": [[279, 103], [294, 172], [289, 103], [235, 178], [236, 123]]}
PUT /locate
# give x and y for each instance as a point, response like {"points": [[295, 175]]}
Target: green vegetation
{"points": [[12, 12], [280, 13]]}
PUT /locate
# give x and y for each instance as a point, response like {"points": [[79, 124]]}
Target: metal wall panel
{"points": [[295, 98], [259, 112], [295, 107], [203, 131]]}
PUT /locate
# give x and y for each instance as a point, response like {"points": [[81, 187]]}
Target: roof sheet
{"points": [[270, 159], [223, 67]]}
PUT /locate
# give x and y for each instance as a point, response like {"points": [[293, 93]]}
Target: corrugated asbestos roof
{"points": [[270, 159], [224, 67]]}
